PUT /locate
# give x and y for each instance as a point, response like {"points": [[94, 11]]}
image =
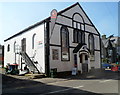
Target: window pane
{"points": [[65, 43], [82, 27], [91, 44], [75, 36], [78, 25], [55, 54], [33, 41], [79, 37], [65, 55], [74, 24], [83, 37], [8, 48], [14, 46]]}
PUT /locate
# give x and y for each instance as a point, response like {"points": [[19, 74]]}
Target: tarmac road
{"points": [[92, 83]]}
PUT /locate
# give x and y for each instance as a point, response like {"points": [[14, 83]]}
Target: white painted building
{"points": [[74, 42]]}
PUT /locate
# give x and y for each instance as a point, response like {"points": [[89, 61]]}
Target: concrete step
{"points": [[34, 76]]}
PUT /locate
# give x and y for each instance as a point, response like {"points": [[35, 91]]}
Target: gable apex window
{"points": [[64, 44], [78, 21]]}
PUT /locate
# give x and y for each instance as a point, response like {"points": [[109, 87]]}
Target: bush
{"points": [[105, 60]]}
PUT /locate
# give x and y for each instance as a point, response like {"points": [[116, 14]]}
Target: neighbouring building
{"points": [[110, 49], [2, 55], [74, 42]]}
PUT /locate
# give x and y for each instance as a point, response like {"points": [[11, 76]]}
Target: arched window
{"points": [[78, 36], [8, 47], [75, 36], [83, 37], [64, 44], [33, 41], [14, 45], [91, 43], [79, 27]]}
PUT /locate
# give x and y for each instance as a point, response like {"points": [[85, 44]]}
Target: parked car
{"points": [[106, 66]]}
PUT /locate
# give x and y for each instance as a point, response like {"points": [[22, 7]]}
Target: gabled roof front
{"points": [[47, 19]]}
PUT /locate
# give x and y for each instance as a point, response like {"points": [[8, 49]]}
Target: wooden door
{"points": [[23, 44]]}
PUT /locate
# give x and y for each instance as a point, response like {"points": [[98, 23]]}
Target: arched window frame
{"points": [[65, 48], [83, 37], [91, 42], [75, 36], [8, 47], [79, 37], [14, 46], [79, 27], [33, 40]]}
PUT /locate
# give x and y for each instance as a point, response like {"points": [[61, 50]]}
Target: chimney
{"points": [[103, 37]]}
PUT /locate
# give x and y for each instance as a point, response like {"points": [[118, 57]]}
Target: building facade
{"points": [[74, 42], [2, 55], [110, 49]]}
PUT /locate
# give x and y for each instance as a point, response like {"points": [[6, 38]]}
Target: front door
{"points": [[23, 44], [23, 48], [75, 60], [84, 62]]}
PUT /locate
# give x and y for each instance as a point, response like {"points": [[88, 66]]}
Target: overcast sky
{"points": [[17, 16]]}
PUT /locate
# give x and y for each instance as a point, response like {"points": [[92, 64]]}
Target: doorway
{"points": [[23, 49], [23, 44], [84, 62]]}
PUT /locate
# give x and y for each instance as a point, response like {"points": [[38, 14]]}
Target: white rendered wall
{"points": [[40, 55]]}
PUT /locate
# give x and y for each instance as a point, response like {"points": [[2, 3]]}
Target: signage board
{"points": [[74, 71]]}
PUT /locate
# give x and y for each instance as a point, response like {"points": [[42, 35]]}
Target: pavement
{"points": [[16, 84], [93, 74]]}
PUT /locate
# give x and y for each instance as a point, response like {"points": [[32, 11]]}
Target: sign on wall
{"points": [[74, 71], [53, 19], [40, 44], [65, 56]]}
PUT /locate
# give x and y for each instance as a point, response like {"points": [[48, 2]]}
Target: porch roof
{"points": [[78, 47]]}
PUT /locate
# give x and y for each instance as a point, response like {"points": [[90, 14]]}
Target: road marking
{"points": [[79, 86], [62, 90], [104, 81]]}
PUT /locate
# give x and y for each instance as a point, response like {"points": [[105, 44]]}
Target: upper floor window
{"points": [[33, 41], [8, 47], [83, 37], [75, 36], [91, 43], [23, 44], [64, 43], [78, 36], [14, 46]]}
